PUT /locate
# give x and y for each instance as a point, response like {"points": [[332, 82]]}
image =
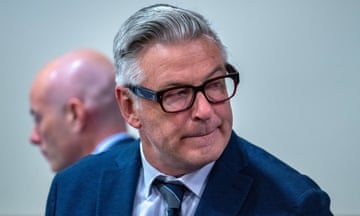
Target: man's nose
{"points": [[35, 137], [202, 108]]}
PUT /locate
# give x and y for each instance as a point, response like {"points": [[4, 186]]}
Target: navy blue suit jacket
{"points": [[245, 180]]}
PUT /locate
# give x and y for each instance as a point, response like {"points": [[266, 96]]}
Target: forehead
{"points": [[183, 62], [42, 102], [39, 106]]}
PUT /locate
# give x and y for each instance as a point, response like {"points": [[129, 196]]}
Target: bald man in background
{"points": [[75, 112]]}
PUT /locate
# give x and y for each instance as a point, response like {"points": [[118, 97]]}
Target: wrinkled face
{"points": [[50, 132], [179, 143]]}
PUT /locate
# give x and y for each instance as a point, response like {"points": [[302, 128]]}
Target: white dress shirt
{"points": [[148, 200]]}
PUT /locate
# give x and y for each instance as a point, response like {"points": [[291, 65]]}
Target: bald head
{"points": [[73, 103], [85, 74]]}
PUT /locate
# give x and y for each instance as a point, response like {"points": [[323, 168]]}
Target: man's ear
{"points": [[127, 106], [75, 114]]}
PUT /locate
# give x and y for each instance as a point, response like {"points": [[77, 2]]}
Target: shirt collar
{"points": [[194, 181], [109, 141]]}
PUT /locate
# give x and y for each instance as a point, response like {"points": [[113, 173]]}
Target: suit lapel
{"points": [[117, 186], [226, 188]]}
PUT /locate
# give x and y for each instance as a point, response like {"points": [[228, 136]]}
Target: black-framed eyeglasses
{"points": [[181, 98]]}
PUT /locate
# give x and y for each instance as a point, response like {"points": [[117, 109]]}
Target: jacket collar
{"points": [[118, 185], [227, 188]]}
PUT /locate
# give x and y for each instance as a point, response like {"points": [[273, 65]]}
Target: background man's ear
{"points": [[127, 106], [75, 114]]}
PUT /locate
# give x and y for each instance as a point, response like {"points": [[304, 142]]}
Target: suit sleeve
{"points": [[314, 202]]}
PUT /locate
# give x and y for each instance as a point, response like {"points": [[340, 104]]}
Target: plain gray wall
{"points": [[299, 94]]}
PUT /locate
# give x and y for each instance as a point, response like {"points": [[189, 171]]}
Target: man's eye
{"points": [[37, 118], [217, 84], [177, 93]]}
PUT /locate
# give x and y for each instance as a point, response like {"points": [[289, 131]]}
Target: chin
{"points": [[206, 154]]}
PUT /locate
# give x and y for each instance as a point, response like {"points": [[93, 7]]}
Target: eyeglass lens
{"points": [[182, 98]]}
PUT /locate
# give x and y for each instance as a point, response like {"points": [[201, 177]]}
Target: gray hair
{"points": [[157, 23]]}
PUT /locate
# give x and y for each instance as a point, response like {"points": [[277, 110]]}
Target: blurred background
{"points": [[299, 96]]}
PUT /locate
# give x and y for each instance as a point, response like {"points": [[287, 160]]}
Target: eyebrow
{"points": [[35, 114], [215, 70], [212, 72]]}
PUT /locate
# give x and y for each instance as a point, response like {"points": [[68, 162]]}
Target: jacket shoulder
{"points": [[278, 185]]}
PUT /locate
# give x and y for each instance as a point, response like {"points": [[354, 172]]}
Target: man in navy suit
{"points": [[174, 85]]}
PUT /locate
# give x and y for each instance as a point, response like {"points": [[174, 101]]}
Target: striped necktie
{"points": [[173, 194]]}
